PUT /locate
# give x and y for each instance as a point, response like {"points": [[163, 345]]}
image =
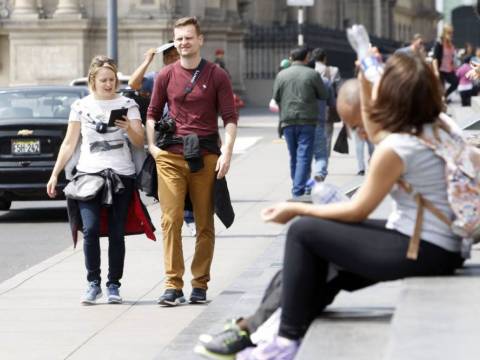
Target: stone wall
{"points": [[54, 43]]}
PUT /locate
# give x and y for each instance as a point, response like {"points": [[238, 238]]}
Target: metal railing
{"points": [[266, 46]]}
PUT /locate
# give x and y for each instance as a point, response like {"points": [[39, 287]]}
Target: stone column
{"points": [[169, 8], [25, 9], [377, 4], [68, 9]]}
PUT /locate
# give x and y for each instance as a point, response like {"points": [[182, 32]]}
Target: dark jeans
{"points": [[366, 252], [188, 216], [466, 97], [300, 140], [450, 78], [117, 215]]}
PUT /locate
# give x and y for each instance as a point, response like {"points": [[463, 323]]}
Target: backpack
{"points": [[462, 172]]}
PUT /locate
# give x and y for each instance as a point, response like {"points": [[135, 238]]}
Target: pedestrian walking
{"points": [[188, 155], [297, 90], [465, 85], [326, 114], [142, 81], [321, 239], [105, 172], [444, 60]]}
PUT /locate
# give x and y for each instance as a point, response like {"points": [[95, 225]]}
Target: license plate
{"points": [[22, 147]]}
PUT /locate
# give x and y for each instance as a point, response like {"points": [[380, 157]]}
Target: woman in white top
{"points": [[334, 247], [104, 151]]}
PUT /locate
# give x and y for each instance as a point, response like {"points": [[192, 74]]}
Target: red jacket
{"points": [[138, 219]]}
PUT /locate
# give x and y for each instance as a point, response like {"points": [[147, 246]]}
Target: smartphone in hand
{"points": [[117, 114]]}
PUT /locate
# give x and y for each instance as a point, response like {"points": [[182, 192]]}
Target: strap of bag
{"points": [[191, 84], [414, 244], [195, 76]]}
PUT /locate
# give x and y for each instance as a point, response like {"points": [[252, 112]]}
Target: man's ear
{"points": [[200, 37]]}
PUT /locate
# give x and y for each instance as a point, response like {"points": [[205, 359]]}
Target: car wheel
{"points": [[5, 204]]}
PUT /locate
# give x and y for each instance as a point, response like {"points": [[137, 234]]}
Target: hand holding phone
{"points": [[117, 114]]}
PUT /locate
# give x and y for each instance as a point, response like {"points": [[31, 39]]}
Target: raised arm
{"points": [[136, 78]]}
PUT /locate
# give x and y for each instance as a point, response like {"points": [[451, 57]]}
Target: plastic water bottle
{"points": [[324, 193], [359, 40]]}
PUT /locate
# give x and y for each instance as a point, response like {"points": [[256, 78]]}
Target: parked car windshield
{"points": [[36, 104]]}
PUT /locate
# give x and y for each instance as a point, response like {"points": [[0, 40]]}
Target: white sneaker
{"points": [[192, 228]]}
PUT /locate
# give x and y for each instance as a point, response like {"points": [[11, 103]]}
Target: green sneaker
{"points": [[225, 344]]}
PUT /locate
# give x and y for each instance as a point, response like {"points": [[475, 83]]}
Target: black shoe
{"points": [[171, 297], [361, 172], [225, 344], [198, 296]]}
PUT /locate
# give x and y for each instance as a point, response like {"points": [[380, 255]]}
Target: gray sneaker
{"points": [[94, 292], [113, 294], [172, 297]]}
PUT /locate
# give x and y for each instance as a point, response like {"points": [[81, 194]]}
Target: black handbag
{"points": [[341, 144]]}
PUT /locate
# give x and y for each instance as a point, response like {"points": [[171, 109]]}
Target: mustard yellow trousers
{"points": [[174, 181]]}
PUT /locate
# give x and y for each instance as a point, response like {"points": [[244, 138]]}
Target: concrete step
{"points": [[356, 326], [438, 318], [352, 333]]}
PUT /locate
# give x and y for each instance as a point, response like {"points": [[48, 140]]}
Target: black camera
{"points": [[166, 126], [101, 127]]}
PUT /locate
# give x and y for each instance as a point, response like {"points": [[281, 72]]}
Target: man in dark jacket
{"points": [[297, 90]]}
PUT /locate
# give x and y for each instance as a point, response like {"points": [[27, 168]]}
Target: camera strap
{"points": [[191, 84], [195, 76]]}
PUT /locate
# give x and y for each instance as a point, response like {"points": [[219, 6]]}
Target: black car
{"points": [[33, 123]]}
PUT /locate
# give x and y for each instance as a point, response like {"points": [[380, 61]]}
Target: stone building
{"points": [[52, 41], [415, 16]]}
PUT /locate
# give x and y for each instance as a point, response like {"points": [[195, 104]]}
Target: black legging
{"points": [[365, 252], [450, 78]]}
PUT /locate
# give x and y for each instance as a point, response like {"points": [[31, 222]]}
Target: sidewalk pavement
{"points": [[40, 313]]}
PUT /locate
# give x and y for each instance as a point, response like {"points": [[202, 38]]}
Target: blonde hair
{"points": [[98, 62], [446, 28]]}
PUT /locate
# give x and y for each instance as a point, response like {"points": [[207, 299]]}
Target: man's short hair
{"points": [[189, 20], [318, 54], [299, 54], [416, 37]]}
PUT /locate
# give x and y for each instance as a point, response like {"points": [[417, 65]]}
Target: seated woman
{"points": [[333, 247]]}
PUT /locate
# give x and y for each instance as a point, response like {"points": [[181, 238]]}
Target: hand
{"points": [[280, 213], [153, 150], [51, 186], [223, 164], [150, 54], [123, 124], [473, 74]]}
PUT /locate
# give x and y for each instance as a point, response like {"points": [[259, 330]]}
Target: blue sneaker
{"points": [[172, 297], [94, 292], [198, 296], [113, 294]]}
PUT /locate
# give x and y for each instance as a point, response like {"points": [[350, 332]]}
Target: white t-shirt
{"points": [[425, 171], [102, 151]]}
